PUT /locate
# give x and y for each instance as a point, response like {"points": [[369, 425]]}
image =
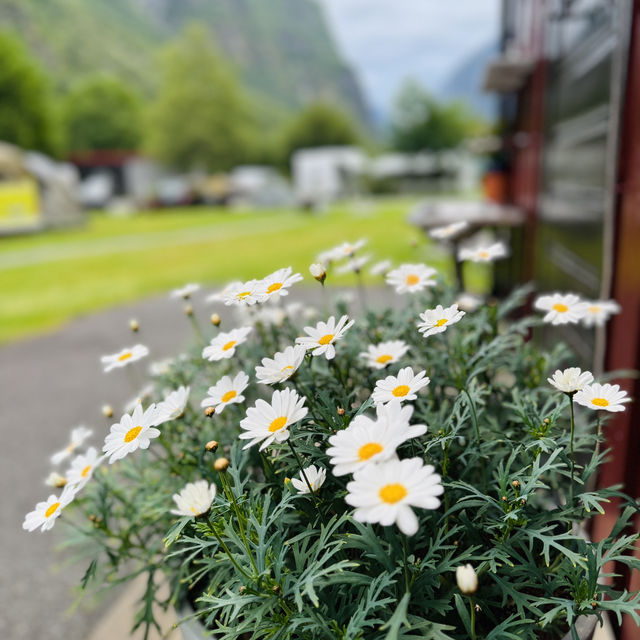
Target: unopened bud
{"points": [[134, 325], [340, 411], [215, 319], [221, 464], [467, 579], [546, 421], [188, 309], [212, 445], [318, 271], [504, 498], [242, 589], [276, 588], [209, 411], [107, 411], [515, 484], [477, 608]]}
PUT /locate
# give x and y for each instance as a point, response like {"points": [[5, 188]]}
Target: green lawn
{"points": [[47, 279]]}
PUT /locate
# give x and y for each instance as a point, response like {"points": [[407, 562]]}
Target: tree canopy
{"points": [[27, 117], [201, 117], [420, 122], [319, 125], [102, 112]]}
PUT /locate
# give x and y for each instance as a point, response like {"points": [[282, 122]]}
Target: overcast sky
{"points": [[387, 41]]}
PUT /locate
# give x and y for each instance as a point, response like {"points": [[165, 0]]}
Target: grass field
{"points": [[48, 279]]}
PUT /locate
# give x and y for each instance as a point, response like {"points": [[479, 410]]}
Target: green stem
{"points": [[196, 328], [233, 560], [472, 611], [473, 414], [227, 489], [406, 567], [571, 450], [304, 475]]}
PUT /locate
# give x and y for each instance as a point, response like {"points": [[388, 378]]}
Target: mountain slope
{"points": [[282, 48]]}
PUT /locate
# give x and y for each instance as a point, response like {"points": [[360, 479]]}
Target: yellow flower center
{"points": [[51, 510], [594, 309], [560, 308], [229, 396], [71, 447], [125, 356], [244, 294], [193, 510], [392, 493], [383, 359], [278, 423], [326, 339], [412, 278], [368, 450], [600, 402], [229, 345], [132, 434], [289, 366], [400, 391], [274, 287], [441, 322], [85, 471], [483, 254]]}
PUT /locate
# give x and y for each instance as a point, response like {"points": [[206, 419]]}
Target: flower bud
{"points": [[134, 325], [209, 411], [215, 319], [242, 589], [212, 446], [515, 484], [340, 411], [107, 411], [221, 464], [318, 272], [188, 310], [467, 579]]}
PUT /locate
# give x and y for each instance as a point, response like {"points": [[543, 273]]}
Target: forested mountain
{"points": [[282, 48]]}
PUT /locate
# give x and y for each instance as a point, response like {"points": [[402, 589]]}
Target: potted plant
{"points": [[418, 472]]}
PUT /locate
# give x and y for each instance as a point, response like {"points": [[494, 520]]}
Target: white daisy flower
{"points": [[561, 308], [268, 422], [404, 386], [82, 467], [354, 265], [78, 436], [282, 366], [124, 357], [380, 268], [381, 355], [161, 367], [278, 283], [173, 406], [570, 380], [468, 302], [599, 311], [224, 344], [195, 499], [487, 253], [226, 391], [602, 397], [54, 479], [322, 337], [185, 292], [46, 513], [246, 293], [219, 296], [143, 395], [411, 278], [132, 432], [385, 493], [366, 440], [449, 231], [315, 476], [318, 271], [437, 320]]}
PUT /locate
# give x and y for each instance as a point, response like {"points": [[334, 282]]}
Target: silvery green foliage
{"points": [[269, 563]]}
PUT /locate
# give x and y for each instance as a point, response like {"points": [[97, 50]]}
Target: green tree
{"points": [[420, 122], [102, 112], [201, 117], [319, 125], [27, 116]]}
